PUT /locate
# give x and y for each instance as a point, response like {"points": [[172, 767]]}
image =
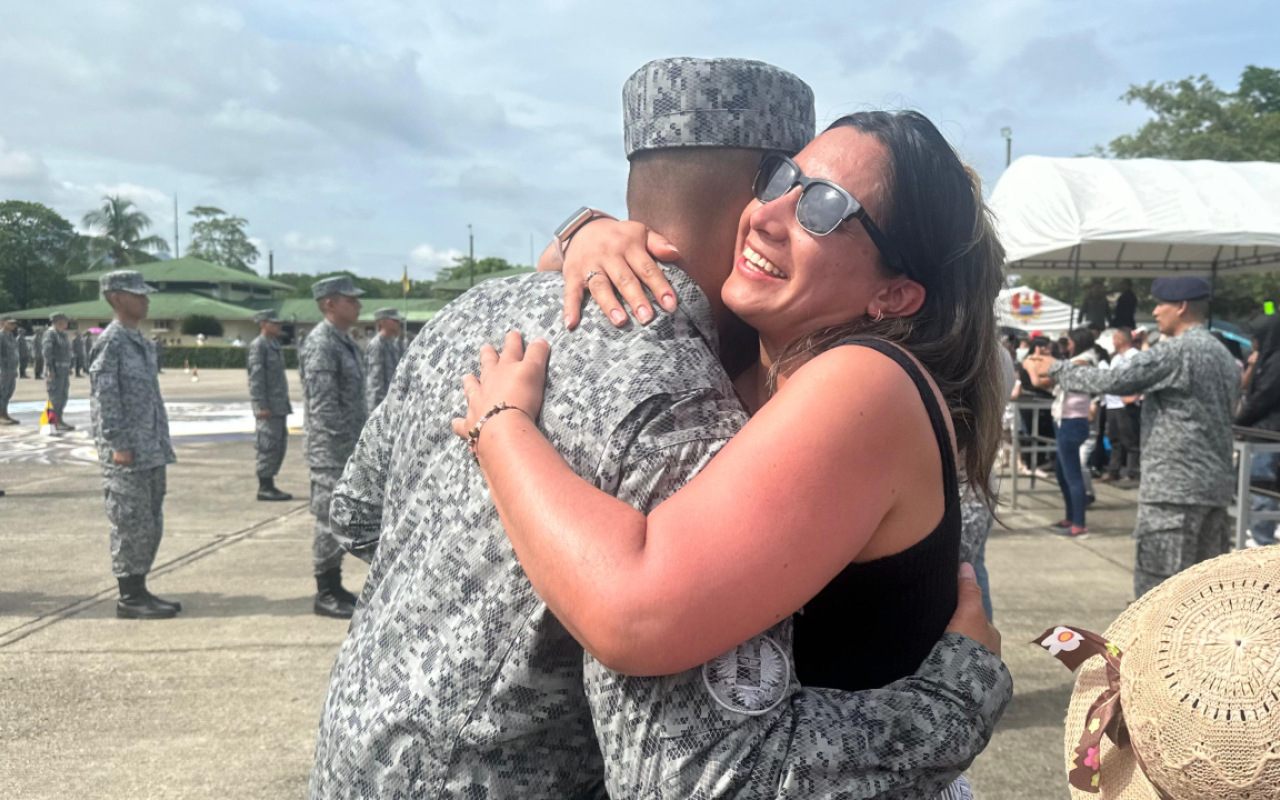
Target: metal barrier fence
{"points": [[1032, 442], [1249, 443]]}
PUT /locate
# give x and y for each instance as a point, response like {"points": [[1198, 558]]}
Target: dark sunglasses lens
{"points": [[775, 179], [821, 209]]}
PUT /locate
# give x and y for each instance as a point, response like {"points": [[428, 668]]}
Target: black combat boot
{"points": [[267, 490], [137, 603], [331, 599]]}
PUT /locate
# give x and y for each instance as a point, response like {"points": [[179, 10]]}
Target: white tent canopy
{"points": [[1138, 218], [1029, 310]]}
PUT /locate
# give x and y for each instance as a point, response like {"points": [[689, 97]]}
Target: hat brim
{"points": [[144, 290]]}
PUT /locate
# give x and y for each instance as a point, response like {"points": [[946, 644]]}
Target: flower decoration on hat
{"points": [[1061, 639]]}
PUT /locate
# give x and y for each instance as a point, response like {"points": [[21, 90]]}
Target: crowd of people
{"points": [[723, 546]]}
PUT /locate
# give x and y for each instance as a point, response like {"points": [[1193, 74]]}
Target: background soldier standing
{"points": [[382, 356], [8, 368], [37, 350], [78, 353], [332, 370], [159, 342], [57, 363], [1190, 385], [131, 431], [24, 351], [269, 398]]}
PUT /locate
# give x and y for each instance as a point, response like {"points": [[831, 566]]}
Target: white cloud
{"points": [[316, 245], [19, 167], [433, 259]]}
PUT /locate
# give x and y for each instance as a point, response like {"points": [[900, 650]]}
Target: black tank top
{"points": [[876, 621]]}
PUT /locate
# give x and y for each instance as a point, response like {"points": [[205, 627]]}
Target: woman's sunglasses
{"points": [[823, 205]]}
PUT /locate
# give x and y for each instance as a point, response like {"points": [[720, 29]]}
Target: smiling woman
{"points": [[870, 269]]}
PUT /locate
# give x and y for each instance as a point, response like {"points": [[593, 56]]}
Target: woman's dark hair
{"points": [[1083, 339], [934, 215]]}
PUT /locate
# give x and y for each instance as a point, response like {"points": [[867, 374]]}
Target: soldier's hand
{"points": [[122, 458], [264, 414], [970, 618]]}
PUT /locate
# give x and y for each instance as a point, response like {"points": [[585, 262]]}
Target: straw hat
{"points": [[1193, 676]]}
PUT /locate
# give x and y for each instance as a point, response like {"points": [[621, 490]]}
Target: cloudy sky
{"points": [[367, 135]]}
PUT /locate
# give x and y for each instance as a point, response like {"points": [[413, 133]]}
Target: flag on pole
{"points": [[405, 280], [48, 420]]}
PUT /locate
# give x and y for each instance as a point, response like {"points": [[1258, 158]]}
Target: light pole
{"points": [[1007, 133], [471, 253]]}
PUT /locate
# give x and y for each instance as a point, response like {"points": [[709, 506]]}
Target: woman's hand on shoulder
{"points": [[619, 255], [517, 377]]}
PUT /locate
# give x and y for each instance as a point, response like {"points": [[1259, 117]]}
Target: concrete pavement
{"points": [[224, 700]]}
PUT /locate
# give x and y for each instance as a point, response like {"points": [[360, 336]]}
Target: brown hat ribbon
{"points": [[1073, 647]]}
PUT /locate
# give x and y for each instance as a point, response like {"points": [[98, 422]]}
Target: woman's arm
{"points": [[777, 514]]}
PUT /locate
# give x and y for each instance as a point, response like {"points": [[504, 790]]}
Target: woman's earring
{"points": [[879, 317]]}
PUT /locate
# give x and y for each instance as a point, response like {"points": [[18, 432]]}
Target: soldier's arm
{"points": [[257, 378], [355, 516], [109, 389], [46, 347], [1142, 372], [905, 741]]}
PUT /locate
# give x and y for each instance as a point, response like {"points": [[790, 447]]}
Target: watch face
{"points": [[574, 219]]}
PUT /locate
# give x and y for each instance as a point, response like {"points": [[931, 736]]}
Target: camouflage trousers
{"points": [[1172, 537], [272, 441], [8, 382], [58, 383], [135, 508], [325, 550]]}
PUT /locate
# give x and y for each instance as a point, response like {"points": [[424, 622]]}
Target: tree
{"points": [[38, 250], [462, 268], [119, 225], [201, 323], [1194, 118], [374, 288], [220, 238]]}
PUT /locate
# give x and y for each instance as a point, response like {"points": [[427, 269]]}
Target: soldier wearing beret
{"points": [[1190, 385], [382, 356], [332, 370], [131, 431], [456, 680], [269, 399], [8, 368], [56, 349]]}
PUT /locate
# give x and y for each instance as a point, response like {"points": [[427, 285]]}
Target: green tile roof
{"points": [[164, 305], [190, 270], [304, 309]]}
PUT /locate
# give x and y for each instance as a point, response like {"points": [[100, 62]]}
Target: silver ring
{"points": [[587, 279]]}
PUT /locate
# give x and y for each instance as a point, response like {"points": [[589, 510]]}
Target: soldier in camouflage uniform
{"points": [[1190, 385], [37, 351], [332, 370], [382, 356], [8, 368], [78, 352], [131, 431], [24, 352], [56, 348], [457, 681], [269, 398]]}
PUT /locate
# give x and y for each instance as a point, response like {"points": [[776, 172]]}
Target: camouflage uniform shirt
{"points": [[332, 370], [1190, 385], [268, 386], [125, 406], [382, 356], [455, 679]]}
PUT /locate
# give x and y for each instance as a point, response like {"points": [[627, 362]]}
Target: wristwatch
{"points": [[575, 222]]}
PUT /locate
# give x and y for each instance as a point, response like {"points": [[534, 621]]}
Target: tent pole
{"points": [[1075, 284], [1213, 288]]}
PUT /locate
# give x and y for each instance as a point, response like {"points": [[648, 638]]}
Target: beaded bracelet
{"points": [[473, 435]]}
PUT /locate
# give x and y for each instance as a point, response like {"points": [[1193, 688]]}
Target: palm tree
{"points": [[118, 226]]}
